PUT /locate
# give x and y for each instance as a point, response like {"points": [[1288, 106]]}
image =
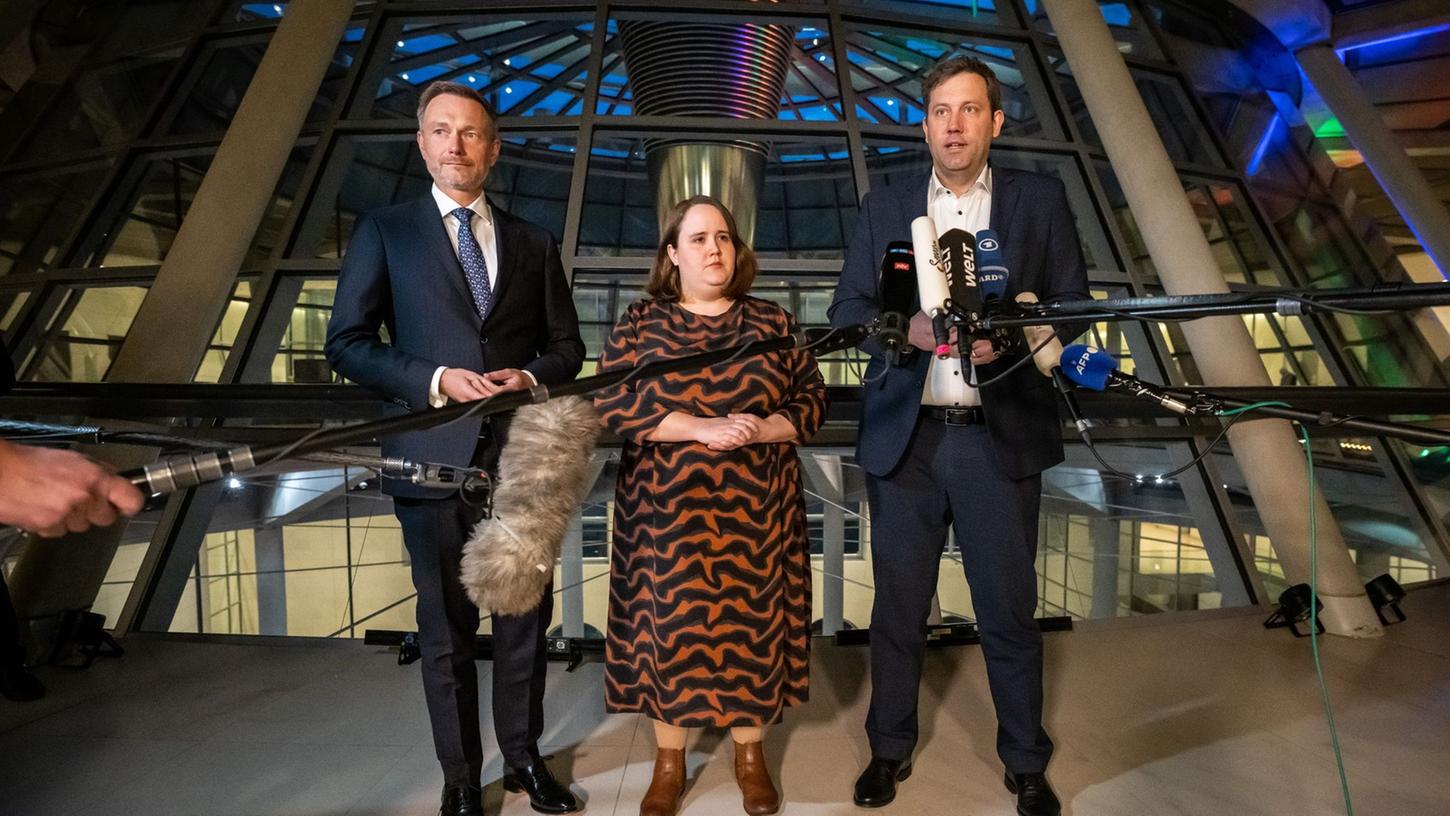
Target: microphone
{"points": [[931, 281], [898, 297], [992, 284], [1096, 369], [1047, 355], [959, 262], [991, 271]]}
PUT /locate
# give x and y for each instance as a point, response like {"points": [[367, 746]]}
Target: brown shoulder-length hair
{"points": [[664, 276]]}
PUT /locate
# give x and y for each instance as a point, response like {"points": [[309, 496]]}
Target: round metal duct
{"points": [[704, 69]]}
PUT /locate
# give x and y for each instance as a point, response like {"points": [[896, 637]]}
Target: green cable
{"points": [[1314, 628], [1313, 601], [1253, 406]]}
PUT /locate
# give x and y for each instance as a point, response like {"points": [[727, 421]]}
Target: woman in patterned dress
{"points": [[709, 596]]}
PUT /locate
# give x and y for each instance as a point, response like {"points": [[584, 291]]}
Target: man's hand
{"points": [[920, 334], [982, 352], [52, 492], [727, 432], [462, 385]]}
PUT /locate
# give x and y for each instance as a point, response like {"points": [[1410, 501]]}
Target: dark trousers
{"points": [[434, 531], [950, 475]]}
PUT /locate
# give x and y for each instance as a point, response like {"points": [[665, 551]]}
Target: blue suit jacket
{"points": [[1031, 217], [401, 272]]}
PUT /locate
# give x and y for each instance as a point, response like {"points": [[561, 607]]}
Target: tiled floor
{"points": [[1191, 714]]}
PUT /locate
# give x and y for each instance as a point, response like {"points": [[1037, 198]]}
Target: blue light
{"points": [[816, 113], [996, 51], [1404, 35], [424, 43], [1258, 158], [1117, 14]]}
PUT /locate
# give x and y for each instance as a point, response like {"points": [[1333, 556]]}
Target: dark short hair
{"points": [[664, 276], [949, 67], [440, 87]]}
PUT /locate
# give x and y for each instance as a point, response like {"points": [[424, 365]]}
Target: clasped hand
{"points": [[729, 432], [462, 385]]}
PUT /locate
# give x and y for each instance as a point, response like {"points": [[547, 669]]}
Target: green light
{"points": [[1329, 129], [1424, 452]]}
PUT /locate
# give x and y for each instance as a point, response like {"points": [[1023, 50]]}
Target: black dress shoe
{"points": [[1034, 795], [461, 800], [876, 786], [546, 795]]}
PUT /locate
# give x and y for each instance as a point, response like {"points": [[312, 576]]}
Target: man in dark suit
{"points": [[476, 303], [939, 451]]}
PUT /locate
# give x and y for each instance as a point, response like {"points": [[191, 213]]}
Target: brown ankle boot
{"points": [[757, 791], [667, 786]]}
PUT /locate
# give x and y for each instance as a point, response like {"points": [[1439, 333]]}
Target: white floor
{"points": [[1196, 714]]}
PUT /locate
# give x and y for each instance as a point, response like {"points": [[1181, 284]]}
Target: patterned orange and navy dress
{"points": [[710, 585]]}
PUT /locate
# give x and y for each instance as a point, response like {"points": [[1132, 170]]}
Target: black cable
{"points": [[1092, 448], [1309, 301], [1021, 362]]}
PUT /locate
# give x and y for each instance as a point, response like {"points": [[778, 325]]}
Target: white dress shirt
{"points": [[484, 233], [972, 212]]}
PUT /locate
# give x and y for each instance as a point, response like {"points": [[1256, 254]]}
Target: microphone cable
{"points": [[1234, 414], [1314, 601]]}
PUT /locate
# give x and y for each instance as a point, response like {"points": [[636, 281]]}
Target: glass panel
{"points": [[1381, 527], [807, 204], [888, 65], [1127, 28], [226, 73], [159, 199], [531, 180], [12, 310], [1242, 253], [153, 214], [105, 106], [1177, 122], [251, 12], [39, 212], [92, 324], [595, 304], [1284, 345], [976, 12], [1111, 547], [300, 358], [313, 553], [522, 67], [225, 337]]}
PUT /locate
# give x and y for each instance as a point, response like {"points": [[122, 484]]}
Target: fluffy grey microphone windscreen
{"points": [[509, 559]]}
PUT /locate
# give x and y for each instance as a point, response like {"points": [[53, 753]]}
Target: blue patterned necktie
{"points": [[475, 268]]}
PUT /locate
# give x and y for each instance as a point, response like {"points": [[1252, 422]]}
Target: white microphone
{"points": [[1047, 356], [931, 281]]}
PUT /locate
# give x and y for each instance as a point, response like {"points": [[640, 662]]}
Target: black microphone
{"points": [[959, 262], [1096, 369], [898, 299]]}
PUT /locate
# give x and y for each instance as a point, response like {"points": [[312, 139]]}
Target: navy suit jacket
{"points": [[1039, 240], [401, 272]]}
